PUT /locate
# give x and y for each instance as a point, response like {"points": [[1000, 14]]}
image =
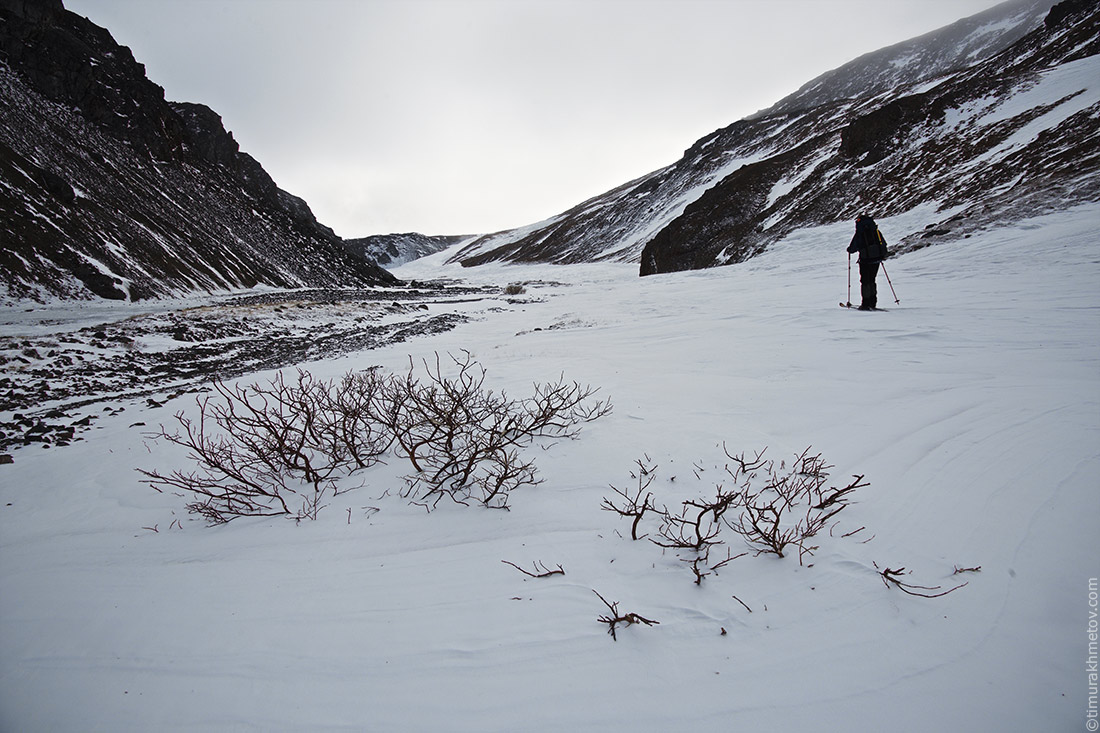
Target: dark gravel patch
{"points": [[53, 388]]}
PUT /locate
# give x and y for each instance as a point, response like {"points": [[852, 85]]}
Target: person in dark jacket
{"points": [[872, 250]]}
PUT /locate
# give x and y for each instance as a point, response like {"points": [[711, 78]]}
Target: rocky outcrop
{"points": [[72, 61], [881, 131], [108, 190]]}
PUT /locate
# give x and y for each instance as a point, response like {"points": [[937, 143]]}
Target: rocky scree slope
{"points": [[923, 136], [108, 190]]}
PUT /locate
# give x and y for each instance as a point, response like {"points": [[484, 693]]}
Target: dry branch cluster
{"points": [[792, 507], [262, 449], [771, 507], [464, 440]]}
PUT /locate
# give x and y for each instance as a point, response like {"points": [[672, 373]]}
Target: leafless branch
{"points": [[616, 617], [541, 571], [634, 506], [893, 577]]}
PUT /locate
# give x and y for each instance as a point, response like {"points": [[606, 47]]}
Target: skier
{"points": [[872, 250]]}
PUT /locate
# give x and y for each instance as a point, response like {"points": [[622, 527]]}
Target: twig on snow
{"points": [[541, 571], [893, 577], [615, 618]]}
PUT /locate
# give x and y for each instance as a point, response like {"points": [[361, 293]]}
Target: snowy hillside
{"points": [[932, 55], [971, 409], [1011, 132]]}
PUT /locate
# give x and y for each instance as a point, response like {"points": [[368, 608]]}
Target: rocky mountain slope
{"points": [[108, 190], [391, 250], [942, 51], [1011, 132]]}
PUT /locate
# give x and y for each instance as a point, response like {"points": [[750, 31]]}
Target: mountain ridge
{"points": [[935, 53]]}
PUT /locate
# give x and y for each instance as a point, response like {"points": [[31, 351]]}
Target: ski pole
{"points": [[849, 301], [884, 272]]}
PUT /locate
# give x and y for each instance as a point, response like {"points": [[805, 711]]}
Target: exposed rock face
{"points": [[391, 250], [991, 119], [108, 190]]}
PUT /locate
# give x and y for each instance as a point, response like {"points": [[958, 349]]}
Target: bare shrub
{"points": [[464, 440], [771, 507], [257, 445], [701, 566], [262, 448], [700, 520], [792, 506], [352, 427], [634, 506]]}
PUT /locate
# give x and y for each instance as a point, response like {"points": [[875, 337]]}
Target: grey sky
{"points": [[469, 116]]}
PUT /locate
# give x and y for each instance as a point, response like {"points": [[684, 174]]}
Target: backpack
{"points": [[878, 250]]}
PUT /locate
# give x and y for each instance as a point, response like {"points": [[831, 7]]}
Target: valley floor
{"points": [[972, 409]]}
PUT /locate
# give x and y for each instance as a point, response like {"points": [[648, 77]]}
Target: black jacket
{"points": [[868, 241]]}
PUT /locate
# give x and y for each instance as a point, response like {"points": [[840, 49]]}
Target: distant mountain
{"points": [[391, 250], [108, 190], [988, 120]]}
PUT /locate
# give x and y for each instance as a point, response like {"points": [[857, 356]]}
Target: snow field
{"points": [[972, 408]]}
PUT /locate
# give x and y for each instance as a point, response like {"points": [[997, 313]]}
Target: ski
{"points": [[856, 307]]}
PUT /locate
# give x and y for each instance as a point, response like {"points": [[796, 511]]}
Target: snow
{"points": [[790, 182], [972, 408], [676, 206], [1073, 83]]}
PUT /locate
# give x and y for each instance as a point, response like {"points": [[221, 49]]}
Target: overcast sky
{"points": [[470, 116]]}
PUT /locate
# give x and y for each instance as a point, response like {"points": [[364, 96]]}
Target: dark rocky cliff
{"points": [[109, 190]]}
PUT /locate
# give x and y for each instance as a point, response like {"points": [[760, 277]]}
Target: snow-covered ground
{"points": [[972, 408]]}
